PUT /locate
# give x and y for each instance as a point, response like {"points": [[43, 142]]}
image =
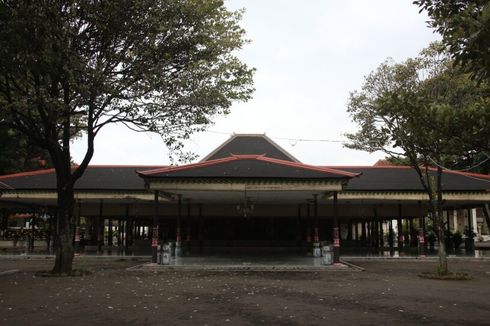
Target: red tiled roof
{"points": [[26, 174], [407, 167], [262, 158]]}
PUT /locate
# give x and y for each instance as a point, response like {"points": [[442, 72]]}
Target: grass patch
{"points": [[75, 272], [451, 276]]}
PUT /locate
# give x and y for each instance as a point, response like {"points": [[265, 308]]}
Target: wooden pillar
{"points": [[349, 230], [178, 248], [299, 233], [316, 233], [356, 230], [471, 231], [336, 231], [381, 234], [369, 231], [189, 228], [391, 235], [448, 222], [375, 229], [154, 238], [400, 227], [119, 233], [5, 221], [127, 230], [100, 227], [363, 232], [109, 233], [308, 228], [421, 236], [77, 228], [410, 223], [201, 230]]}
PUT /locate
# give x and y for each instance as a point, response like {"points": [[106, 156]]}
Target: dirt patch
{"points": [[446, 277], [385, 293]]}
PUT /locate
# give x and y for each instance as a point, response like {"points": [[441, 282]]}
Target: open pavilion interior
{"points": [[247, 196]]}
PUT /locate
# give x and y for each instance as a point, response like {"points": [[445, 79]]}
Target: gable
{"points": [[250, 144]]}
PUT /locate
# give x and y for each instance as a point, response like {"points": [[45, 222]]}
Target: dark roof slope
{"points": [[248, 166], [102, 177], [373, 178], [405, 178], [254, 144]]}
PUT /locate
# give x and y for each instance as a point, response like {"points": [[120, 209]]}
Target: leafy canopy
{"points": [[423, 109], [71, 67], [465, 28]]}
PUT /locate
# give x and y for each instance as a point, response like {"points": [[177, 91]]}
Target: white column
{"points": [[454, 214], [473, 220]]}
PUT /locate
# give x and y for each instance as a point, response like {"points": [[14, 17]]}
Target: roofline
{"points": [[261, 157], [128, 166], [367, 166], [463, 173], [466, 174], [52, 170], [234, 135], [4, 186], [26, 174]]}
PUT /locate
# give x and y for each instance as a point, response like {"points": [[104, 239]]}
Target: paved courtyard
{"points": [[387, 292]]}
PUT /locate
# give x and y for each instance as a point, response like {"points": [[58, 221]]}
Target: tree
{"points": [[427, 112], [465, 28], [72, 66], [18, 155]]}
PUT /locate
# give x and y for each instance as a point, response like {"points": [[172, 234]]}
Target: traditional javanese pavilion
{"points": [[248, 195]]}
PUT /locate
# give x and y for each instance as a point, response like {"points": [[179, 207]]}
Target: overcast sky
{"points": [[309, 55]]}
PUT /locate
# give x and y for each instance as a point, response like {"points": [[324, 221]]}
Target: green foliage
{"points": [[18, 155], [70, 67], [448, 240], [410, 110], [431, 239], [457, 239], [465, 28]]}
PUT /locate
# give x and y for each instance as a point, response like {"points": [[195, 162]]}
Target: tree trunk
{"points": [[442, 268], [64, 235], [486, 212], [439, 222]]}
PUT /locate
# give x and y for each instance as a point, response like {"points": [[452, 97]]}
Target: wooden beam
{"points": [[246, 186]]}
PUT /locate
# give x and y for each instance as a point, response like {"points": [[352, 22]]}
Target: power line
{"points": [[292, 141], [464, 170]]}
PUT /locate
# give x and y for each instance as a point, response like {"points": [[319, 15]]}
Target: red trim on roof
{"points": [[191, 166], [406, 167], [466, 174], [309, 167], [52, 170], [128, 166], [368, 166], [26, 174], [261, 157]]}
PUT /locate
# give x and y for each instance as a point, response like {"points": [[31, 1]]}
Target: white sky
{"points": [[309, 55]]}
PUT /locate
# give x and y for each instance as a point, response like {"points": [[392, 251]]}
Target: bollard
{"points": [[316, 250], [327, 252], [178, 250], [172, 249], [159, 254], [166, 254]]}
